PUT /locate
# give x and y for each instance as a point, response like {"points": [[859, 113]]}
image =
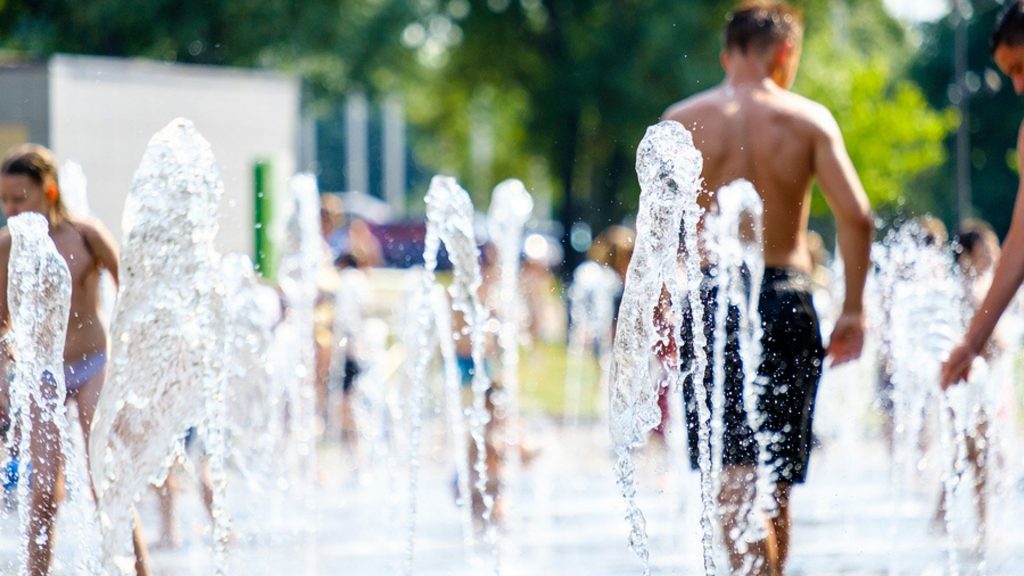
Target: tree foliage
{"points": [[584, 78], [570, 84], [995, 116], [556, 92], [894, 136], [333, 44]]}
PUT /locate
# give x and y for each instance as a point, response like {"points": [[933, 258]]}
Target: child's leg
{"points": [[88, 396], [47, 484]]}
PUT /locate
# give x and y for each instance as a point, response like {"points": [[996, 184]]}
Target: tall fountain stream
{"points": [[39, 297], [668, 167], [165, 349]]}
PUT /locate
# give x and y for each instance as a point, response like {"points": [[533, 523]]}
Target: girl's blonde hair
{"points": [[38, 163]]}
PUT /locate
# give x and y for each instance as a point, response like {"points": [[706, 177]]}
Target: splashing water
{"points": [[252, 309], [442, 306], [511, 207], [926, 318], [450, 220], [734, 240], [419, 338], [668, 167], [428, 326], [166, 370], [39, 295], [301, 256], [591, 314]]}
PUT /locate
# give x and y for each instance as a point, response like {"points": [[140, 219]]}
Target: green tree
{"points": [[575, 83], [557, 92], [856, 65], [333, 44], [571, 86], [995, 114]]}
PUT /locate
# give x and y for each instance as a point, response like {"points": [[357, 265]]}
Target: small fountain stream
{"points": [[591, 314], [926, 317], [301, 256], [734, 243], [450, 221], [252, 312], [511, 207]]}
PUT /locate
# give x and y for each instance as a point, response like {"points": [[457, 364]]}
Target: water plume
{"points": [[511, 207], [450, 221], [591, 314], [252, 311], [926, 318], [301, 257], [734, 243], [167, 366], [39, 297], [668, 167]]}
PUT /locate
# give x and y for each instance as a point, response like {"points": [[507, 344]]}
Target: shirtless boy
{"points": [[751, 126]]}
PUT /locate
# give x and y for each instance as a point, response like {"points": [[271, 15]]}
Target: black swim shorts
{"points": [[790, 370]]}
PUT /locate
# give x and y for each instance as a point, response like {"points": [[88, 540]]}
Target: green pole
{"points": [[264, 215]]}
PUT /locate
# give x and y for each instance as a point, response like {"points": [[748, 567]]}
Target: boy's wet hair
{"points": [[760, 24], [1009, 26]]}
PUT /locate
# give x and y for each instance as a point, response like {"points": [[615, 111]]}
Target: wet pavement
{"points": [[564, 517]]}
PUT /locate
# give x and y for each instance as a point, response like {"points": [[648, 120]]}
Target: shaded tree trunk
{"points": [[568, 211]]}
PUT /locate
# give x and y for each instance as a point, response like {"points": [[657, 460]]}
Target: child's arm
{"points": [[103, 245], [6, 349]]}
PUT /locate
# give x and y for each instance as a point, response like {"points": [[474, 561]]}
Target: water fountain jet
{"points": [[668, 167], [165, 353], [39, 297]]}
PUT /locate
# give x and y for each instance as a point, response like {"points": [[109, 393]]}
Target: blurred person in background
{"points": [[1008, 52], [539, 289], [977, 251], [613, 248], [332, 219]]}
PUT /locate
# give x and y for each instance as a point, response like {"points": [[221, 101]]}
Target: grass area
{"points": [[542, 374]]}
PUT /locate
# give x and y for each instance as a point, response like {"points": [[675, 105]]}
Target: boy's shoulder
{"points": [[687, 110]]}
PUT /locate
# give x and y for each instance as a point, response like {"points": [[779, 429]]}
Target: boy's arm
{"points": [[845, 196], [1005, 282]]}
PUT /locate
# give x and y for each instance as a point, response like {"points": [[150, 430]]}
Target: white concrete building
{"points": [[101, 112]]}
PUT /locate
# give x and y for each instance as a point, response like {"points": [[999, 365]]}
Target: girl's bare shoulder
{"points": [[92, 229]]}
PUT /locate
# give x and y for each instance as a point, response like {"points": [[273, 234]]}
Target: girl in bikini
{"points": [[28, 183]]}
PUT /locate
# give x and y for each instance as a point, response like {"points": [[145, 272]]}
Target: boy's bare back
{"points": [[779, 141]]}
